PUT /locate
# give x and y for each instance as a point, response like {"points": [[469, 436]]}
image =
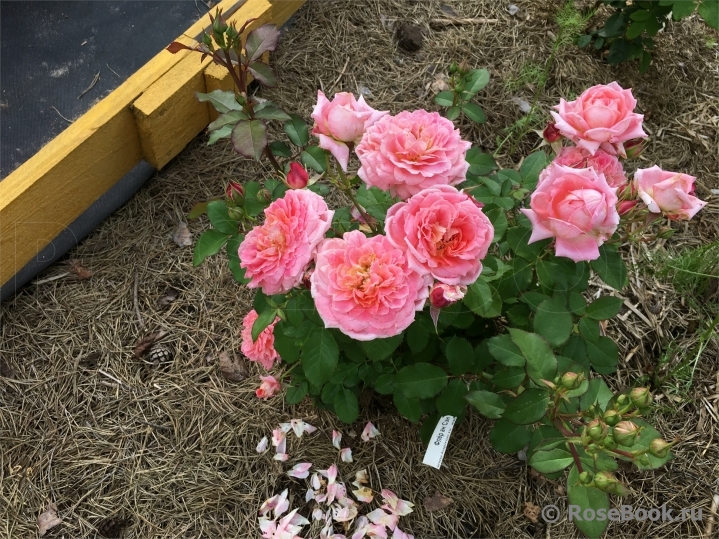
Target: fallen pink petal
{"points": [[370, 431], [346, 454], [301, 470], [263, 445], [336, 439]]}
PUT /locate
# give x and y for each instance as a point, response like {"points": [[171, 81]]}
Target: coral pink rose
{"points": [[603, 116], [575, 206], [601, 161], [365, 287], [670, 193], [276, 254], [268, 388], [444, 233], [263, 349], [341, 121], [412, 151]]}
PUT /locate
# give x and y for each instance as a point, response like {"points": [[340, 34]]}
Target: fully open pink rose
{"points": [[575, 206], [412, 151], [263, 349], [276, 254], [365, 287], [444, 233], [601, 161], [670, 193], [603, 116], [340, 121], [268, 388]]}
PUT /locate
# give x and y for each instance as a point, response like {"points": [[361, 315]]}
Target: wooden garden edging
{"points": [[150, 116]]}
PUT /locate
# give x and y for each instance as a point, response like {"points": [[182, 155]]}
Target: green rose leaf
{"points": [[460, 355], [507, 437], [554, 460], [444, 99], [589, 329], [315, 158], [709, 11], [611, 268], [541, 363], [604, 308], [474, 112], [249, 138], [475, 81], [320, 355], [346, 405], [409, 408], [219, 217], [598, 393], [452, 401], [483, 300], [209, 244], [417, 336], [553, 322], [505, 351], [295, 394], [297, 130], [263, 321], [532, 165], [489, 404], [222, 101], [421, 380], [603, 355], [266, 75], [528, 407], [587, 498], [378, 349], [480, 164], [286, 346], [280, 149], [509, 378], [384, 384]]}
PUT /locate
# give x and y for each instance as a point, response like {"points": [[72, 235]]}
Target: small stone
{"points": [[409, 37]]}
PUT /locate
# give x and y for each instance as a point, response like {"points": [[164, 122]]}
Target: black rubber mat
{"points": [[52, 51]]}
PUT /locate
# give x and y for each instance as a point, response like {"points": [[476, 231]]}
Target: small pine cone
{"points": [[112, 526], [159, 353]]}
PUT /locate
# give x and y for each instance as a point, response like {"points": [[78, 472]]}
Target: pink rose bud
{"points": [[626, 206], [268, 388], [235, 192], [444, 295], [670, 193], [634, 148], [551, 133], [297, 177]]}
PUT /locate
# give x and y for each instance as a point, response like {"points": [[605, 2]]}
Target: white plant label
{"points": [[438, 443]]}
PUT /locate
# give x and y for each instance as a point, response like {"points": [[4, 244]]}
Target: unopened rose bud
{"points": [[640, 397], [453, 67], [626, 206], [235, 213], [551, 133], [612, 417], [633, 148], [609, 443], [622, 400], [236, 193], [625, 433], [586, 478], [297, 177], [584, 436], [659, 448], [443, 295], [606, 482], [597, 430], [572, 380], [264, 196], [463, 67]]}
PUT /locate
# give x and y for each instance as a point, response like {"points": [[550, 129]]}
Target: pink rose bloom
{"points": [[276, 254], [340, 121], [263, 349], [601, 161], [670, 193], [443, 232], [603, 116], [409, 152], [365, 287], [577, 207], [268, 388]]}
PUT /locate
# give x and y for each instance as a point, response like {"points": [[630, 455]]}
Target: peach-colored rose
{"points": [[364, 287], [443, 232], [601, 161], [409, 152], [603, 116], [341, 121], [276, 254], [575, 206], [263, 349], [670, 193], [268, 388]]}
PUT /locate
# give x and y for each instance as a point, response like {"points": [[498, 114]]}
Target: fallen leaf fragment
{"points": [[233, 369], [182, 235], [79, 271], [48, 519], [531, 511], [436, 502]]}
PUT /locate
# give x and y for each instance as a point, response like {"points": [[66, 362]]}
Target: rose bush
{"points": [[447, 282]]}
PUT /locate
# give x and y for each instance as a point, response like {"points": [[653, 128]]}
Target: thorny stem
{"points": [[575, 456], [272, 159]]}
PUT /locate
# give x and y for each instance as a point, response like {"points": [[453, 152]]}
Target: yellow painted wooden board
{"points": [[48, 192], [168, 114]]}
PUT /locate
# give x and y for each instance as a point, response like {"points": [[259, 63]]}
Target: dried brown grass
{"points": [[171, 446]]}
